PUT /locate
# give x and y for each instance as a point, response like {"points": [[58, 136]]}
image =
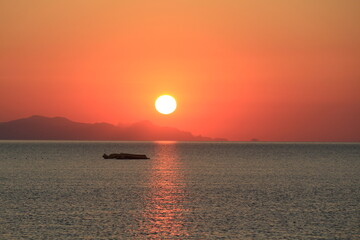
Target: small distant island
{"points": [[59, 128]]}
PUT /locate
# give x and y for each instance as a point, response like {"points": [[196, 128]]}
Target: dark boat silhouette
{"points": [[125, 156]]}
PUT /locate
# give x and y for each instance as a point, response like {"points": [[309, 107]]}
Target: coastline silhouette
{"points": [[59, 128]]}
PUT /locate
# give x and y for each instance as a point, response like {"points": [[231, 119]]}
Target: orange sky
{"points": [[274, 70]]}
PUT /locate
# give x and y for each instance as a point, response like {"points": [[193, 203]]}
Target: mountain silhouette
{"points": [[59, 128]]}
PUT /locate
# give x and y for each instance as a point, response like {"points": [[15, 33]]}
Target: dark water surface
{"points": [[65, 190]]}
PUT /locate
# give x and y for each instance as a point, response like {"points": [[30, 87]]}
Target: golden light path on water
{"points": [[164, 210]]}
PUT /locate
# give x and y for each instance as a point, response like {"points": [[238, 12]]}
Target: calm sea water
{"points": [[65, 190]]}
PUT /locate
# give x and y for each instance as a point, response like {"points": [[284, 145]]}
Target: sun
{"points": [[165, 104]]}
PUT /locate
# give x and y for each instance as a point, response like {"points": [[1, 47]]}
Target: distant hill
{"points": [[59, 128]]}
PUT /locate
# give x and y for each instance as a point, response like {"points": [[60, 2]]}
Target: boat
{"points": [[125, 156]]}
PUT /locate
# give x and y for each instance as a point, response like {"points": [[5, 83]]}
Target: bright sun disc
{"points": [[165, 104]]}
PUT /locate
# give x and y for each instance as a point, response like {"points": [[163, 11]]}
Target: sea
{"points": [[186, 190]]}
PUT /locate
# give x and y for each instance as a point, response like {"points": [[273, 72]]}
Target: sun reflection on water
{"points": [[164, 210]]}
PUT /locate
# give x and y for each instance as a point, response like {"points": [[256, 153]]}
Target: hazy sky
{"points": [[274, 70]]}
